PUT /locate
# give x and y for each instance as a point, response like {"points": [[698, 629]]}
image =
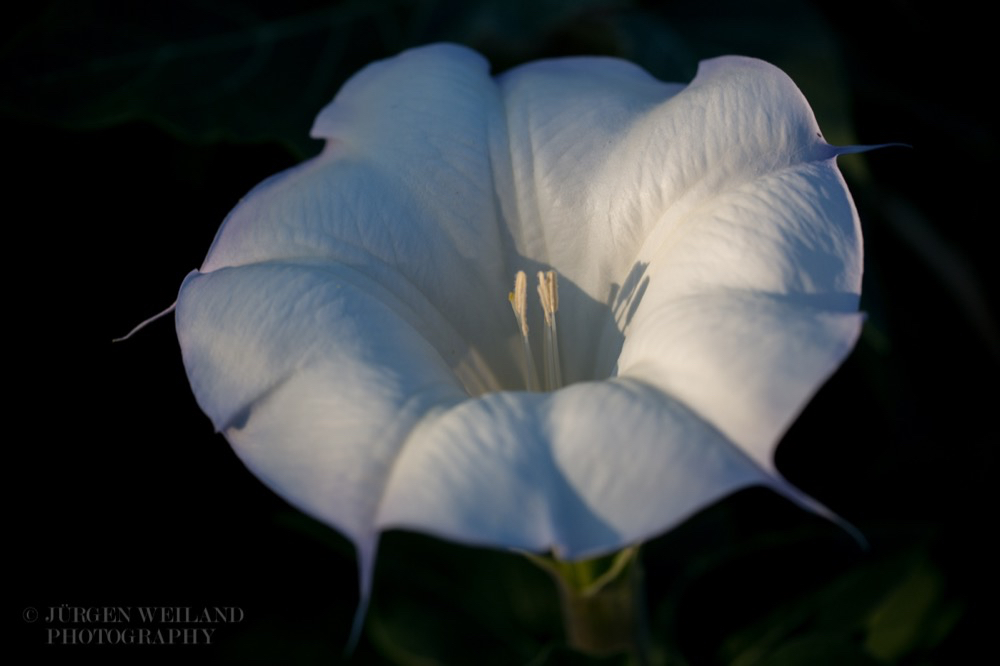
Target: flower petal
{"points": [[404, 192], [348, 330], [320, 417], [582, 471]]}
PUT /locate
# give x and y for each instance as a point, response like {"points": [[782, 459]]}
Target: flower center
{"points": [[548, 294]]}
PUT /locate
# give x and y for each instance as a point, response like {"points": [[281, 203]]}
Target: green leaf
{"points": [[206, 71], [819, 649], [916, 614]]}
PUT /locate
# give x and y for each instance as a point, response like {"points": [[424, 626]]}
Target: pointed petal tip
{"points": [[367, 549], [807, 502], [146, 322], [836, 151], [357, 626], [855, 533]]}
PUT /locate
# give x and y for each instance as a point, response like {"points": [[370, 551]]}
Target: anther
{"points": [[548, 294], [519, 303]]}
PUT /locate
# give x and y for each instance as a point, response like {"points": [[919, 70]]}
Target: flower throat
{"points": [[548, 294]]}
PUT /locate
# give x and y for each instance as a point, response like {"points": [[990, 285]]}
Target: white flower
{"points": [[349, 331]]}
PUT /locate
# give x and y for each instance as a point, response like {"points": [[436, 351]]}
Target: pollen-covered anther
{"points": [[548, 294], [519, 304]]}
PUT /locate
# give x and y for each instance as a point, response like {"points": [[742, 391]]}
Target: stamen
{"points": [[519, 303], [548, 294]]}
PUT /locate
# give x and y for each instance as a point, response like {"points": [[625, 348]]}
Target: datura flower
{"points": [[351, 331]]}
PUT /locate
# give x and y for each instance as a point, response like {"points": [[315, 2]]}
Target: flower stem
{"points": [[602, 604]]}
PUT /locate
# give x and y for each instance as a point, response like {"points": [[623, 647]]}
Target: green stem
{"points": [[602, 604]]}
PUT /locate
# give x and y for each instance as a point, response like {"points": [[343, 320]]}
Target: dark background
{"points": [[131, 130]]}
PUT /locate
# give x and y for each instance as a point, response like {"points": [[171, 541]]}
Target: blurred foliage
{"points": [[246, 71], [134, 127]]}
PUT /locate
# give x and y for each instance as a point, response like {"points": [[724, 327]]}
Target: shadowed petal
{"points": [[582, 471], [318, 416]]}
